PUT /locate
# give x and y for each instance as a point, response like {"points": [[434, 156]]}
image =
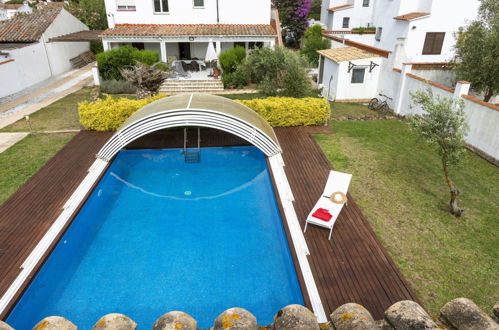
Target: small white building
{"points": [[9, 10], [344, 15], [26, 55], [349, 74], [183, 28]]}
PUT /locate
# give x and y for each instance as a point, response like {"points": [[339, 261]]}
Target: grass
{"points": [[399, 184], [25, 158], [354, 110], [60, 115]]}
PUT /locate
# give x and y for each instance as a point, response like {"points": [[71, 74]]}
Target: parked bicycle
{"points": [[380, 105]]}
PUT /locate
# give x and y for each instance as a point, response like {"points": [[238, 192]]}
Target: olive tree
{"points": [[442, 125]]}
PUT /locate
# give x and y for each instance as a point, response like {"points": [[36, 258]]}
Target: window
{"points": [[346, 22], [379, 31], [358, 76], [433, 43], [160, 6], [239, 44], [253, 45], [198, 3], [365, 3], [125, 5]]}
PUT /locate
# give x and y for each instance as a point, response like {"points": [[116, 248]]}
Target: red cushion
{"points": [[322, 214]]}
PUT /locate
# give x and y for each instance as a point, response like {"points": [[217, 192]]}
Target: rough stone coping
{"points": [[460, 313]]}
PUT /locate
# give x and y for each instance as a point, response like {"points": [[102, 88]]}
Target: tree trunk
{"points": [[454, 193], [488, 94]]}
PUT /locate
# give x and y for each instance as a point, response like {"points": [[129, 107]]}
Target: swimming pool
{"points": [[158, 234]]}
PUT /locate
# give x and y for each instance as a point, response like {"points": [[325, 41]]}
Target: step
{"points": [[192, 156], [191, 89]]}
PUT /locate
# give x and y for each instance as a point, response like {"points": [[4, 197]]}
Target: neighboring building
{"points": [[8, 10], [26, 55], [344, 15], [183, 28]]}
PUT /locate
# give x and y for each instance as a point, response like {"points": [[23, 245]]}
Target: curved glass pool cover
{"points": [[158, 234]]}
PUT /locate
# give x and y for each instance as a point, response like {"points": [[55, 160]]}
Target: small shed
{"points": [[349, 73]]}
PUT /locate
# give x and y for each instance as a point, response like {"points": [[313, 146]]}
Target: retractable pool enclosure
{"points": [[200, 110]]}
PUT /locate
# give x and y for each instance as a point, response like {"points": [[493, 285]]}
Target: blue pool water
{"points": [[158, 234]]}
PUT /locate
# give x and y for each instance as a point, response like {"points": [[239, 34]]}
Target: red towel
{"points": [[322, 214]]}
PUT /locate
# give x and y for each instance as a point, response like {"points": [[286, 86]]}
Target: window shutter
{"points": [[433, 43]]}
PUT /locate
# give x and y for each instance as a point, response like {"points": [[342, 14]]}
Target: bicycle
{"points": [[379, 105]]}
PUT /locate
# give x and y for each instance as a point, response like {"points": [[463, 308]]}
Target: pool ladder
{"points": [[192, 156]]}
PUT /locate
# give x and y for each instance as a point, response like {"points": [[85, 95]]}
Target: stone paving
{"points": [[7, 140]]}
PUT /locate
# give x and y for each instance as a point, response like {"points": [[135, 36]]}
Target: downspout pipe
{"points": [[218, 14]]}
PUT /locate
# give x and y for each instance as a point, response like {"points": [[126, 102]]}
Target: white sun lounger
{"points": [[337, 182]]}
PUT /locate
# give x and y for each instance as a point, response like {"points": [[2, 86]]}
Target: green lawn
{"points": [[60, 115], [25, 158], [399, 184], [355, 110]]}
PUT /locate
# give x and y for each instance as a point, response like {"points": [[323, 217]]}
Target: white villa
{"points": [[182, 29]]}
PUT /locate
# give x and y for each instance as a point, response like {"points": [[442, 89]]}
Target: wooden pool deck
{"points": [[352, 267]]}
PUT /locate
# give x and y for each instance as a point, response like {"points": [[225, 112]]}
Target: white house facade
{"points": [[26, 55], [9, 10], [182, 29], [344, 15]]}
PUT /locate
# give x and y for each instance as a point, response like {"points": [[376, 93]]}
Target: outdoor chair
{"points": [[328, 207], [180, 70]]}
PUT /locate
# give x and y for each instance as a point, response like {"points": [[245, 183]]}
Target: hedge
{"points": [[289, 111], [110, 113]]}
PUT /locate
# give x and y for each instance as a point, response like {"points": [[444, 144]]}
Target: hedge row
{"points": [[110, 113], [289, 111]]}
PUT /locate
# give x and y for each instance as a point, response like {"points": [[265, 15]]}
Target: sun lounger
{"points": [[331, 201]]}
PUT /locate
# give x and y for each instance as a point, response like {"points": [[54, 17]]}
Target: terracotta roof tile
{"points": [[340, 7], [411, 16], [10, 5], [346, 54], [27, 27], [191, 30]]}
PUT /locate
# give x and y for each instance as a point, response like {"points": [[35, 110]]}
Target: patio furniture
{"points": [[328, 207], [201, 64], [180, 70]]}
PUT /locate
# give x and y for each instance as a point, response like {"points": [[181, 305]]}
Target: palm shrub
{"points": [[112, 61], [313, 42]]}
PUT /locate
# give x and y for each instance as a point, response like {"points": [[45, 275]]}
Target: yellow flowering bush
{"points": [[108, 114], [289, 111]]}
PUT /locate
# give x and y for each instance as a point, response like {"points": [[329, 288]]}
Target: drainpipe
{"points": [[47, 54], [218, 14]]}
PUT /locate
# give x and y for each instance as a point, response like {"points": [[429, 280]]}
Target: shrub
{"points": [[288, 111], [231, 58], [117, 87], [96, 47], [237, 79], [162, 66], [110, 113], [313, 42], [274, 71], [112, 61], [147, 79]]}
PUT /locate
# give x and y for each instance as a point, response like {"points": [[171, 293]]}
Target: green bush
{"points": [[289, 111], [110, 113], [117, 87], [96, 47], [112, 61], [313, 42], [274, 70], [364, 29], [162, 66], [231, 58], [238, 79]]}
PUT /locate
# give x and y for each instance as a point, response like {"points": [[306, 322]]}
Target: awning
{"points": [[87, 35]]}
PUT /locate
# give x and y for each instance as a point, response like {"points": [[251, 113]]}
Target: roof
{"points": [[346, 54], [340, 7], [348, 42], [27, 27], [85, 35], [10, 5], [201, 110], [14, 45], [411, 16], [191, 30]]}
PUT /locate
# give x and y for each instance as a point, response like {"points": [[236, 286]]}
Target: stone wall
{"points": [[460, 313]]}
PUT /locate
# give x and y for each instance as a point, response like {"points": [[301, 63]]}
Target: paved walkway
{"points": [[15, 107], [7, 140]]}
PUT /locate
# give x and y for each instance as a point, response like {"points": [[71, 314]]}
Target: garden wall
{"points": [[483, 118]]}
